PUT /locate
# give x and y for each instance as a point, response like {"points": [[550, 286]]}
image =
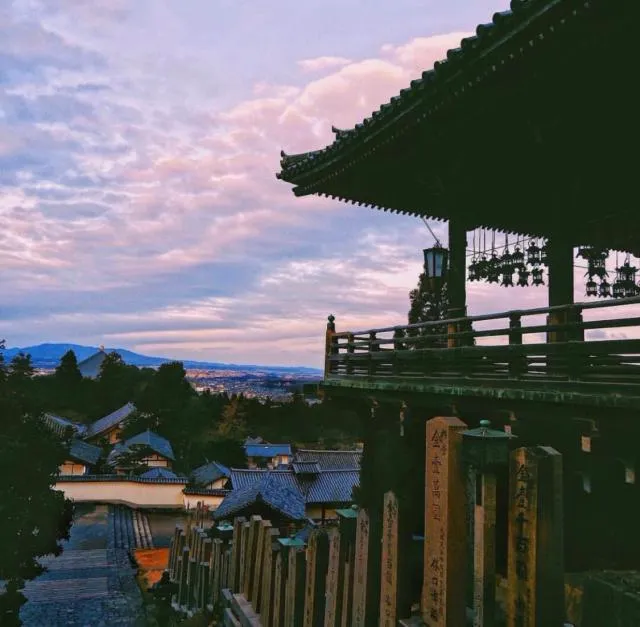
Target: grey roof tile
{"points": [[268, 489], [209, 472], [84, 452], [111, 420], [330, 460]]}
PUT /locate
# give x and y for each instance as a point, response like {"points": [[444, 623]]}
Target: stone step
{"points": [[56, 590]]}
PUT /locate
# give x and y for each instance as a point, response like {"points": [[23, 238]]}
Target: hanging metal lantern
{"points": [[592, 287], [631, 289], [523, 277], [536, 276], [544, 258], [533, 254], [482, 267], [507, 280], [597, 262], [435, 261], [604, 289], [493, 270], [517, 258], [473, 270], [506, 262], [584, 252], [618, 289]]}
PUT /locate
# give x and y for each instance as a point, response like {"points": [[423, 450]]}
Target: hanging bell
{"points": [[604, 289], [533, 255], [523, 277], [536, 276], [592, 287]]}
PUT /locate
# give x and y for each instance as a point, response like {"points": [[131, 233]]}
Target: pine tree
{"points": [[429, 303], [67, 374]]}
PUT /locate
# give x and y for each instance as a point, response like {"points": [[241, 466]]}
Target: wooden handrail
{"points": [[635, 300], [449, 349]]}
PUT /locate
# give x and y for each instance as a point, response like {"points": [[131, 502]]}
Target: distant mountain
{"points": [[48, 356]]}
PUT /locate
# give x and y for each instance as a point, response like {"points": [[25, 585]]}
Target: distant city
{"points": [[254, 381]]}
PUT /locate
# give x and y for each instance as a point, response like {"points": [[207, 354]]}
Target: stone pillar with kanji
{"points": [[443, 596], [536, 550]]}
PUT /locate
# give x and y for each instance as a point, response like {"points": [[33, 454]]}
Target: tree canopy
{"points": [[34, 517]]}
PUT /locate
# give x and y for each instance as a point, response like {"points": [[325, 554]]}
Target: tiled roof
{"points": [[464, 69], [90, 367], [268, 489], [329, 486], [113, 419], [207, 491], [159, 473], [208, 473], [85, 453], [256, 440], [306, 468], [58, 421], [330, 460], [120, 479], [267, 450], [148, 439]]}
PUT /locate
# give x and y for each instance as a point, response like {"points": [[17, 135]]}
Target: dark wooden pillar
{"points": [[560, 278], [456, 290], [560, 260], [456, 279]]}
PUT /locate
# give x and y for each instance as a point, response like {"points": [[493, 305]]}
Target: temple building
{"points": [[521, 140], [81, 458], [148, 449]]}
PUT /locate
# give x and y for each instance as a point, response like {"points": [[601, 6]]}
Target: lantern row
{"points": [[624, 285], [525, 265]]}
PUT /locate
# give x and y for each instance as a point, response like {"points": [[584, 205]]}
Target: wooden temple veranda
{"points": [[528, 129]]}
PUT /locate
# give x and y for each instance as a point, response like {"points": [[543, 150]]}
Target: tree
{"points": [[67, 374], [35, 517], [429, 303]]}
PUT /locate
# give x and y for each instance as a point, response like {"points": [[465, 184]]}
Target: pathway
{"points": [[92, 583]]}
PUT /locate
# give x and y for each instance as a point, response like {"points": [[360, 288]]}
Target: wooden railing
{"points": [[565, 347]]}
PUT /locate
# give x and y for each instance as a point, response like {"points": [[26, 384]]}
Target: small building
{"points": [[269, 496], [210, 476], [267, 455], [322, 491], [90, 367], [110, 427], [148, 448], [80, 459]]}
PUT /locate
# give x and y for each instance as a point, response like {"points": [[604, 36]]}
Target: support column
{"points": [[560, 279], [456, 274], [456, 279]]}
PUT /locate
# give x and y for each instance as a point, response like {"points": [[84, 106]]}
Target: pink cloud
{"points": [[320, 64]]}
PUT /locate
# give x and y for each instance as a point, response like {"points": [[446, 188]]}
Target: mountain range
{"points": [[48, 356]]}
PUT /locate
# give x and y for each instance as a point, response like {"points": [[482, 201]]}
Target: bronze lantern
{"points": [[436, 261], [486, 449]]}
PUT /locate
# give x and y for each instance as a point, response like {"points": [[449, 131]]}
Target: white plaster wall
{"points": [[212, 502], [127, 492]]}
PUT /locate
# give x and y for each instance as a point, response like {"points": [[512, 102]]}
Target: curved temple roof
{"points": [[424, 96]]}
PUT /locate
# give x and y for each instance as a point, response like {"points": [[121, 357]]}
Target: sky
{"points": [[139, 143]]}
